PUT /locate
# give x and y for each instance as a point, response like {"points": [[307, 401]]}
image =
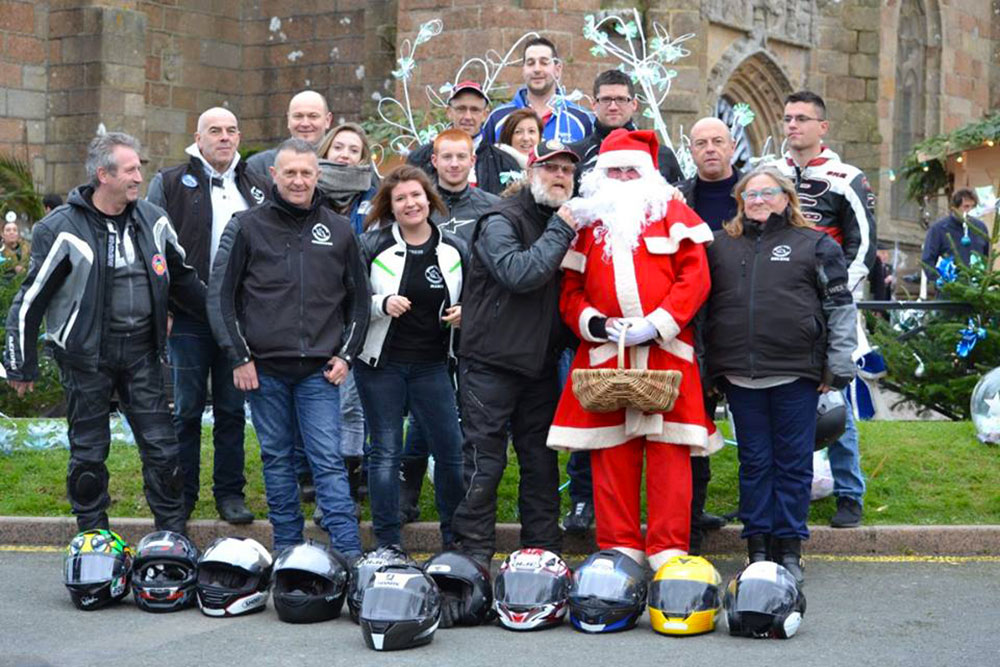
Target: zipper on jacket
{"points": [[750, 318], [302, 296]]}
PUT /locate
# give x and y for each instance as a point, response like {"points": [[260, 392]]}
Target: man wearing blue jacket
{"points": [[542, 70]]}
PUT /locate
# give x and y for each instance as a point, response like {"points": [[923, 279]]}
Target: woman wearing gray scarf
{"points": [[347, 179]]}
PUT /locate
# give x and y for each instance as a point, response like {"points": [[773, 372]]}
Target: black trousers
{"points": [[491, 400], [131, 366]]}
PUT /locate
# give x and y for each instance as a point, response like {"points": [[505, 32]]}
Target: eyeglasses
{"points": [[554, 169], [800, 119], [608, 101], [767, 194], [463, 110]]}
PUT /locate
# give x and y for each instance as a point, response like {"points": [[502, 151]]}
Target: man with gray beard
{"points": [[512, 336]]}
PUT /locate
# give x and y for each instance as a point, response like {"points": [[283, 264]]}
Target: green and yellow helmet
{"points": [[685, 597], [97, 568]]}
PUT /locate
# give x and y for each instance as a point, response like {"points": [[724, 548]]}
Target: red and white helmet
{"points": [[532, 590]]}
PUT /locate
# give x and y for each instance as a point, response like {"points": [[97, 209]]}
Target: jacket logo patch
{"points": [[781, 253], [257, 195], [321, 234], [433, 275], [189, 180], [159, 264]]}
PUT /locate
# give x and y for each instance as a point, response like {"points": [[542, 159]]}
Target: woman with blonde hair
{"points": [[347, 179], [780, 330]]}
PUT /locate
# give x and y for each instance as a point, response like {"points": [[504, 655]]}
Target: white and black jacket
{"points": [[70, 280], [384, 254]]}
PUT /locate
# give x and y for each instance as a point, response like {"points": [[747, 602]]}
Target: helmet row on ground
{"points": [[399, 604]]}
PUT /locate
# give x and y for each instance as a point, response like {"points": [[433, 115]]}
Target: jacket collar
{"points": [[291, 210], [397, 235], [774, 222]]}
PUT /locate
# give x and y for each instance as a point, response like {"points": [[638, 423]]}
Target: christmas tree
{"points": [[935, 357]]}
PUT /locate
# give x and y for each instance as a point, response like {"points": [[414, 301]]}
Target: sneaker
{"points": [[579, 519], [848, 513]]}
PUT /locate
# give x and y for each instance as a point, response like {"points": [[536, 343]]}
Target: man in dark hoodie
{"points": [[289, 303], [101, 273], [468, 107]]}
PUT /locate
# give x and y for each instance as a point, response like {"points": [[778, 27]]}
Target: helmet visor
{"points": [[529, 588], [92, 568], [760, 595], [679, 598], [608, 585], [393, 604]]}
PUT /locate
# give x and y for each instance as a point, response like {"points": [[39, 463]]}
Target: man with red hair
{"points": [[637, 270]]}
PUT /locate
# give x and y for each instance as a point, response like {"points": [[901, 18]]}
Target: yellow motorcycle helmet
{"points": [[685, 597]]}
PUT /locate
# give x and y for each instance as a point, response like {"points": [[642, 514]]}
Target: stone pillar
{"points": [[96, 75]]}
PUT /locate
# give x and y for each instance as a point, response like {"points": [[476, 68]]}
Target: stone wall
{"points": [[23, 83]]}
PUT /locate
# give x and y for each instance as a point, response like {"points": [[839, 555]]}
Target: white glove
{"points": [[638, 332]]}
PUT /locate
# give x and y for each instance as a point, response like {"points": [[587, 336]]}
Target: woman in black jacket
{"points": [[780, 330], [416, 272]]}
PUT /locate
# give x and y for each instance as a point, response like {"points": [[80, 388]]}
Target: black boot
{"points": [[789, 553], [411, 479], [356, 480], [757, 548], [307, 490]]}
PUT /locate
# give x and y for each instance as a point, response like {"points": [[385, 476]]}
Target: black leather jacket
{"points": [[70, 281]]}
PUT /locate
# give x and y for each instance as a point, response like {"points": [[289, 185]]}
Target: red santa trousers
{"points": [[617, 473]]}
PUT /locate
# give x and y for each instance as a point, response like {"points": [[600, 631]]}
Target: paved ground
{"points": [[861, 611]]}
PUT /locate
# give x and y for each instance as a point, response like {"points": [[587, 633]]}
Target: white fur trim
{"points": [[601, 437], [601, 353], [678, 433], [626, 286], [680, 349], [668, 245], [574, 260], [638, 423], [588, 314], [660, 558], [622, 158], [637, 555], [665, 324]]}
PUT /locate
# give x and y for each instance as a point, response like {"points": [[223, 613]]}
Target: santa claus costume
{"points": [[640, 258]]}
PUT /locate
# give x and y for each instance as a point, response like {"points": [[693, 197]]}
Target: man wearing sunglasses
{"points": [[512, 336], [837, 198]]}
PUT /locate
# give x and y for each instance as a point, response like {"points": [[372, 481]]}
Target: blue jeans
{"points": [[352, 426], [776, 432], [386, 393], [313, 405], [845, 460], [193, 356]]}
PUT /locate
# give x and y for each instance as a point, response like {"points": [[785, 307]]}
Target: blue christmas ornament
{"points": [[970, 336], [947, 273]]}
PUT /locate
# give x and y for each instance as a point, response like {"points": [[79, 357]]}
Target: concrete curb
{"points": [[978, 540]]}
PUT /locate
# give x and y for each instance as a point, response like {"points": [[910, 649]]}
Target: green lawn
{"points": [[918, 473]]}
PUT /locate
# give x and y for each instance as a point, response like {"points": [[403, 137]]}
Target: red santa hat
{"points": [[621, 148]]}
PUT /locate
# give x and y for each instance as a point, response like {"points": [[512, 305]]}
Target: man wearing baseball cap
{"points": [[512, 337], [468, 107]]}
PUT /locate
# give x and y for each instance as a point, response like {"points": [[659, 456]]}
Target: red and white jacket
{"points": [[665, 280]]}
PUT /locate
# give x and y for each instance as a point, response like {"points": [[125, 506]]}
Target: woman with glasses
{"points": [[416, 272], [780, 330]]}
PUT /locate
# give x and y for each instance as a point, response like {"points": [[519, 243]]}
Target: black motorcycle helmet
{"points": [[310, 583], [233, 577], [764, 601], [466, 593], [608, 593], [364, 568], [831, 418], [165, 572], [400, 608], [97, 568]]}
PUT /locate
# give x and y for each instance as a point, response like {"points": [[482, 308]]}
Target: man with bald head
{"points": [[201, 195], [710, 191], [309, 118]]}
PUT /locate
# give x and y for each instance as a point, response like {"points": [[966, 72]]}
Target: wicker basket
{"points": [[610, 389]]}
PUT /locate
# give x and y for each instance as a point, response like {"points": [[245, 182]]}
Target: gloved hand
{"points": [[638, 332]]}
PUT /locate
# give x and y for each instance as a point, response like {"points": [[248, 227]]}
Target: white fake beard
{"points": [[543, 197], [623, 209]]}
